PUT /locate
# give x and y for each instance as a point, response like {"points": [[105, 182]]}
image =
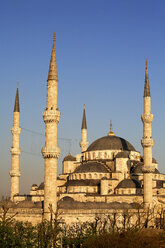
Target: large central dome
{"points": [[111, 143]]}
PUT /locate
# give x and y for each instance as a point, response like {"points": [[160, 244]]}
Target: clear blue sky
{"points": [[101, 49]]}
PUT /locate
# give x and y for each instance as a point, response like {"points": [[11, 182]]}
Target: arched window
{"points": [[84, 176], [90, 176], [79, 176]]}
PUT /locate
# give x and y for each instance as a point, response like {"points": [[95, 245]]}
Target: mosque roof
{"points": [[138, 169], [89, 182], [111, 143], [91, 167], [122, 155], [129, 183], [69, 157], [41, 186], [70, 203]]}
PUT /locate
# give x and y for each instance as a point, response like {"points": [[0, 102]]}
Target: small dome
{"points": [[154, 161], [67, 199], [129, 183], [41, 186], [34, 185], [138, 169], [111, 143], [69, 157], [91, 167], [122, 155], [87, 182]]}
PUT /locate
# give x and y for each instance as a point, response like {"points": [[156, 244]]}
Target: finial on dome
{"points": [[111, 133]]}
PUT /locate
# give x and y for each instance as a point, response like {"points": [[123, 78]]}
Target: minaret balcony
{"points": [[50, 152], [148, 169], [51, 116], [147, 118], [84, 145], [15, 173], [147, 142], [16, 130], [15, 151]]}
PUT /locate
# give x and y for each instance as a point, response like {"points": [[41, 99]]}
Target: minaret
{"points": [[84, 143], [147, 143], [15, 150], [51, 152]]}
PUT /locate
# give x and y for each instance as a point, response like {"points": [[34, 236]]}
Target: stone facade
{"points": [[108, 176]]}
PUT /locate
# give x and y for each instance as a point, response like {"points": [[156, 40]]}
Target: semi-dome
{"points": [[129, 183], [91, 167], [111, 143]]}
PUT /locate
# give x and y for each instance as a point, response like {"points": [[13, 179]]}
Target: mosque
{"points": [[109, 175]]}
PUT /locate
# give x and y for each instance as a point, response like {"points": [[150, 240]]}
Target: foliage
{"points": [[110, 231]]}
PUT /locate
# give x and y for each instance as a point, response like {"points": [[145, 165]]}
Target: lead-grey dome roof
{"points": [[111, 143], [91, 167], [138, 169], [129, 183], [69, 157]]}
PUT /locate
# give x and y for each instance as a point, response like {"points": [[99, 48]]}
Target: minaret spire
{"points": [[52, 75], [147, 143], [146, 86], [15, 149], [50, 151], [84, 123], [16, 105], [84, 142]]}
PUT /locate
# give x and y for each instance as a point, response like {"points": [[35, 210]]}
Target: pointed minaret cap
{"points": [[84, 123], [111, 133], [16, 105], [146, 86], [52, 75]]}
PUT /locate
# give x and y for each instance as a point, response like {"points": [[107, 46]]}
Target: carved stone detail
{"points": [[15, 173], [51, 116], [16, 130], [146, 142], [15, 151], [50, 152], [147, 118]]}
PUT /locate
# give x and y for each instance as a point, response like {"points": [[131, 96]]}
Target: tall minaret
{"points": [[147, 143], [15, 150], [51, 152], [84, 142]]}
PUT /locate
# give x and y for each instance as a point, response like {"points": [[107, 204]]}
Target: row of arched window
{"points": [[88, 176]]}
